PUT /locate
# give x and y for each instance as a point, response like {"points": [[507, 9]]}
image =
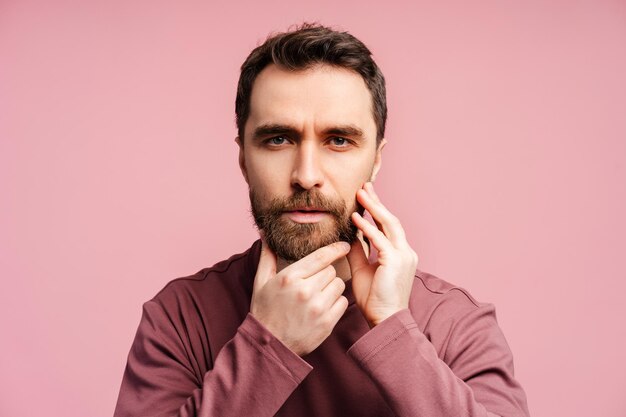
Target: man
{"points": [[326, 314]]}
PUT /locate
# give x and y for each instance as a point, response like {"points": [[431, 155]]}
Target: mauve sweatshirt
{"points": [[198, 352]]}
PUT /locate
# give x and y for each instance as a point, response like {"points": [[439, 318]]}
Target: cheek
{"points": [[350, 178], [267, 174]]}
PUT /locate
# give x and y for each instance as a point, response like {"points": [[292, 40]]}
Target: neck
{"points": [[341, 265]]}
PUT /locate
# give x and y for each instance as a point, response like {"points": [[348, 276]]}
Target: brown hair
{"points": [[303, 47]]}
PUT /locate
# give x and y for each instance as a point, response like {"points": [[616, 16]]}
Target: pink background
{"points": [[118, 173]]}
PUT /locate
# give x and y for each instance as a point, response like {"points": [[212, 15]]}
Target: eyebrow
{"points": [[269, 129]]}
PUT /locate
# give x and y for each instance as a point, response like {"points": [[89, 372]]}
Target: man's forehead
{"points": [[327, 83], [315, 101]]}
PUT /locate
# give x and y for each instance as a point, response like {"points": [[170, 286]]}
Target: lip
{"points": [[306, 215], [306, 208]]}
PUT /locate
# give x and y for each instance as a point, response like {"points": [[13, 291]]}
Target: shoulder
{"points": [[196, 315], [436, 290], [431, 292], [230, 277], [444, 311]]}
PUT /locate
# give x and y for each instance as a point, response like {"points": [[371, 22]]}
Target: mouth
{"points": [[306, 210], [306, 214]]}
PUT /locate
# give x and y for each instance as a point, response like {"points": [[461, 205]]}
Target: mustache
{"points": [[308, 199]]}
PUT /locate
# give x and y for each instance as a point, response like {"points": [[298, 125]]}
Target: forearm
{"points": [[253, 374], [404, 365]]}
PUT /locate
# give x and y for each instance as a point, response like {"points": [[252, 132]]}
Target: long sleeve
{"points": [[474, 378], [253, 374]]}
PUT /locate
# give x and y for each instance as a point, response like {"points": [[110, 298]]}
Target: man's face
{"points": [[310, 143]]}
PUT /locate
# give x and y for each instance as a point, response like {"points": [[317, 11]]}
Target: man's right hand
{"points": [[301, 304]]}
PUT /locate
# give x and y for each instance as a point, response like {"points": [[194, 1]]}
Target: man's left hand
{"points": [[381, 288]]}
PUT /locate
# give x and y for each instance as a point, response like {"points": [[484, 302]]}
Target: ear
{"points": [[242, 159], [378, 159]]}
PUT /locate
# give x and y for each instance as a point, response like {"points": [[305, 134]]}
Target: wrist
{"points": [[373, 322]]}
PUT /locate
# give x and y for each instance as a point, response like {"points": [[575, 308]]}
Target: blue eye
{"points": [[341, 142], [277, 140]]}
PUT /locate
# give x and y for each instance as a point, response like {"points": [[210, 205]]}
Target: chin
{"points": [[300, 239]]}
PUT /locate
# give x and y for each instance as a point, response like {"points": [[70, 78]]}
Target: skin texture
{"points": [[300, 302], [383, 287]]}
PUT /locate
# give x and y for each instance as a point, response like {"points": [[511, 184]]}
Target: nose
{"points": [[307, 170]]}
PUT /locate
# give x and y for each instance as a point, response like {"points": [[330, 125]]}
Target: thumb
{"points": [[266, 268]]}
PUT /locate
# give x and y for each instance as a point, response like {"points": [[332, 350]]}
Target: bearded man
{"points": [[326, 314]]}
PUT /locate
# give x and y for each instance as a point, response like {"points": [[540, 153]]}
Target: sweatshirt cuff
{"points": [[385, 333], [273, 349]]}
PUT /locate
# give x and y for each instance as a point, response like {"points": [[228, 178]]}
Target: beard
{"points": [[293, 241]]}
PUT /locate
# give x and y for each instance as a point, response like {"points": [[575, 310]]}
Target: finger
{"points": [[391, 226], [331, 292], [375, 197], [337, 309], [378, 224], [318, 281], [369, 187], [316, 261], [356, 257], [378, 238], [266, 268]]}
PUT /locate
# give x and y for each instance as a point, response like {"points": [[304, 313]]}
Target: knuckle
{"points": [[410, 256], [415, 257], [315, 310], [286, 280], [304, 294]]}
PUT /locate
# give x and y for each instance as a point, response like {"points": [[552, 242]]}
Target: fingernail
{"points": [[343, 245]]}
